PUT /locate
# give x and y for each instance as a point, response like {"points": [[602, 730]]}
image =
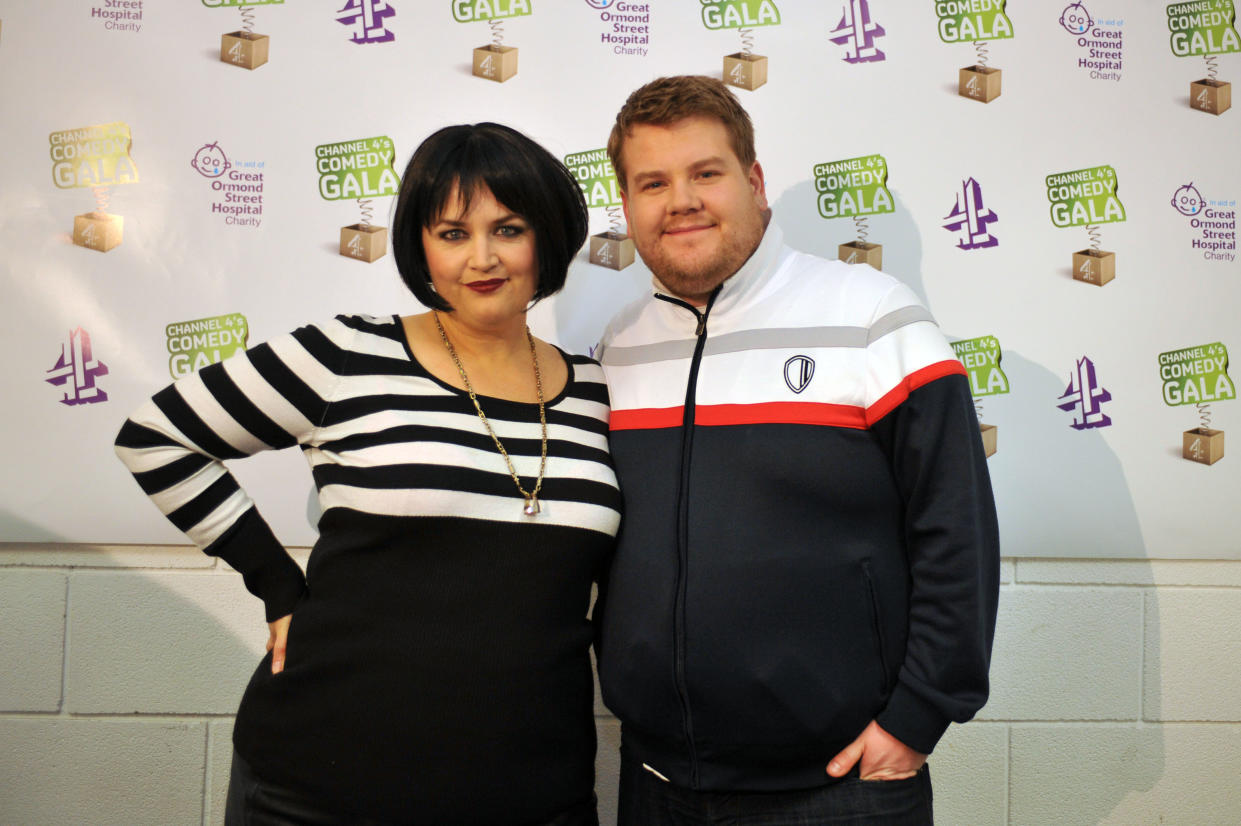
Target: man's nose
{"points": [[684, 197]]}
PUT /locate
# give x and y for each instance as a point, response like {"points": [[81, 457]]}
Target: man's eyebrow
{"points": [[714, 160], [649, 173]]}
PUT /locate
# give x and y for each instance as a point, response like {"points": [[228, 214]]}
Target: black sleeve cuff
{"points": [[265, 566]]}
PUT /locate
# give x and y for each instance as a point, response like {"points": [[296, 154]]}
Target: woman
{"points": [[432, 668]]}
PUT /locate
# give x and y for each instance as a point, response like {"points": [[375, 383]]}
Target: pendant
{"points": [[532, 506]]}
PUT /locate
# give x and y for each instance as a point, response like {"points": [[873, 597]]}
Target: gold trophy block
{"points": [[979, 83], [97, 230], [1094, 266], [1213, 96], [747, 71], [363, 243], [245, 49], [611, 250], [1202, 444], [860, 252], [497, 63], [989, 433]]}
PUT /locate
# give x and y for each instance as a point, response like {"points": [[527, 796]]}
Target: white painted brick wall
{"points": [[1116, 693]]}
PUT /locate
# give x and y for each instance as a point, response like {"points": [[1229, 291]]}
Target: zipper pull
{"points": [[702, 325]]}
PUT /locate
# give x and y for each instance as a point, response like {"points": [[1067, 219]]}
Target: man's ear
{"points": [[758, 185], [625, 206]]}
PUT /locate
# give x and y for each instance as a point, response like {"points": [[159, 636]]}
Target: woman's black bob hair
{"points": [[522, 175]]}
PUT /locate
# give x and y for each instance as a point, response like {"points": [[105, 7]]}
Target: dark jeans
{"points": [[645, 800], [255, 802]]}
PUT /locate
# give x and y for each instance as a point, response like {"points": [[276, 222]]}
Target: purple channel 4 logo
{"points": [[367, 17], [76, 370], [857, 32], [970, 217], [1084, 397]]}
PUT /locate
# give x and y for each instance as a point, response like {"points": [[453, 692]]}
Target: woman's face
{"points": [[482, 262]]}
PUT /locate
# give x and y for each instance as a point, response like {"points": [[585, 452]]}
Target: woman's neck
{"points": [[480, 344]]}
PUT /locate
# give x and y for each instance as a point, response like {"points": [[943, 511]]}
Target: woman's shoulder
{"points": [[586, 377], [359, 332]]}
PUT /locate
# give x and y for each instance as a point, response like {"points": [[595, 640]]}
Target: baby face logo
{"points": [[1187, 200], [210, 161], [599, 4], [1075, 19]]}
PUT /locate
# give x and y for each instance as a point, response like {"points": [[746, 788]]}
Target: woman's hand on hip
{"points": [[277, 640]]}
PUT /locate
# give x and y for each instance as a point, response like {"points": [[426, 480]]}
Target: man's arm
{"points": [[922, 413]]}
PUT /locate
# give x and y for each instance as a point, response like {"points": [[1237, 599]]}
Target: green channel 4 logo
{"points": [[92, 156], [193, 345], [1203, 27], [1084, 197], [469, 11], [854, 187], [970, 20], [981, 357], [356, 169], [1196, 375], [595, 175], [736, 14]]}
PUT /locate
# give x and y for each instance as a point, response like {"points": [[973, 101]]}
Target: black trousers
{"points": [[255, 802], [646, 800]]}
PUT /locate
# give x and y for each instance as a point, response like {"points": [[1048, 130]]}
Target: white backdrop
{"points": [[845, 79]]}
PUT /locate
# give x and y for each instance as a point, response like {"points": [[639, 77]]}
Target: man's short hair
{"points": [[667, 100]]}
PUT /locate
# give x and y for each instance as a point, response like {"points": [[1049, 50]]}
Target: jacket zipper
{"points": [[687, 447]]}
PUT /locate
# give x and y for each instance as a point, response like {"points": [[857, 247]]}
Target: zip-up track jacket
{"points": [[809, 538]]}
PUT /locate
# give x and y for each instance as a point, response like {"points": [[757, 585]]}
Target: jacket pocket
{"points": [[876, 622]]}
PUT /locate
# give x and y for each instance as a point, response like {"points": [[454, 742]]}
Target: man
{"points": [[805, 588]]}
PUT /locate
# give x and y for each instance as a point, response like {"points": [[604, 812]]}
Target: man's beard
{"points": [[696, 279]]}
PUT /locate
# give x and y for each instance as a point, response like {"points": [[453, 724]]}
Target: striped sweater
{"points": [[440, 635]]}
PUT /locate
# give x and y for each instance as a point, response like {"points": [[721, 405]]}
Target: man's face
{"points": [[694, 212]]}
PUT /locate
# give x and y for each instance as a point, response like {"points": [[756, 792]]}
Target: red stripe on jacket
{"points": [[815, 413]]}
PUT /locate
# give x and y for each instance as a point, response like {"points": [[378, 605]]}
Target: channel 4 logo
{"points": [[857, 32]]}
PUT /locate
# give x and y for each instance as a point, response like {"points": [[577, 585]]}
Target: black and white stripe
{"points": [[382, 436]]}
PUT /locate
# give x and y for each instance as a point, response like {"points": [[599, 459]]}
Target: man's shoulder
{"points": [[626, 320], [853, 292]]}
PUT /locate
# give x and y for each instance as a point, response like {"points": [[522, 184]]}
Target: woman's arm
{"points": [[272, 396]]}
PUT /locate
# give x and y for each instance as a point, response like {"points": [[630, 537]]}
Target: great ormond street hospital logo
{"points": [[797, 372]]}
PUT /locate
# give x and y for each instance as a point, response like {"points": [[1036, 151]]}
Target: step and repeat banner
{"points": [[1058, 181]]}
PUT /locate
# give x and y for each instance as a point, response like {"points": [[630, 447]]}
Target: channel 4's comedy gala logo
{"points": [[95, 158]]}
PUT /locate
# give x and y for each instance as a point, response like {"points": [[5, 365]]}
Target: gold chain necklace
{"points": [[531, 497]]}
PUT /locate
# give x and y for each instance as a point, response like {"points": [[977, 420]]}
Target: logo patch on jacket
{"points": [[797, 372]]}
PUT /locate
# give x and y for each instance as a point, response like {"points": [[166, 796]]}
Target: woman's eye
{"points": [[452, 235], [511, 230]]}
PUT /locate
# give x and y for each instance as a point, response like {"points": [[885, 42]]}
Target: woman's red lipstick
{"points": [[490, 285]]}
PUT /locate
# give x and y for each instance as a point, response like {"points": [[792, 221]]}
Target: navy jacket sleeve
{"points": [[952, 541]]}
